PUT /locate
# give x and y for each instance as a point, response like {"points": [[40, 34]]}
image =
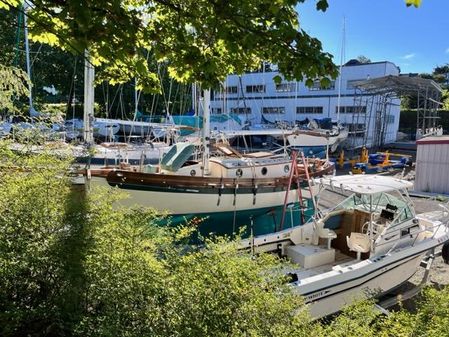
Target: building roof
{"points": [[366, 184], [399, 84], [433, 140]]}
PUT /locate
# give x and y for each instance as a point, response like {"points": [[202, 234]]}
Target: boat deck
{"points": [[341, 261]]}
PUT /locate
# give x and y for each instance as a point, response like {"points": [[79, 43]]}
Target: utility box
{"points": [[308, 256]]}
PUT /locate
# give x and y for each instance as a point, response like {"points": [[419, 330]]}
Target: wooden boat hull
{"points": [[223, 204]]}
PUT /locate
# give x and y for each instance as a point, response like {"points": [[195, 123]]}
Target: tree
{"points": [[13, 84], [73, 265], [199, 40], [363, 59]]}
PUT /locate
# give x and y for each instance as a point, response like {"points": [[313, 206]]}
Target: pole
{"points": [[89, 75], [206, 131], [27, 56], [342, 52]]}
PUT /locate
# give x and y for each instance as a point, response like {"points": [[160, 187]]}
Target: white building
{"points": [[255, 94]]}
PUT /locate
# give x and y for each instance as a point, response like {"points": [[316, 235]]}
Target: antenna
{"points": [[342, 57]]}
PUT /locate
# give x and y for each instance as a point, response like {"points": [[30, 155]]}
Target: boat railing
{"points": [[428, 232]]}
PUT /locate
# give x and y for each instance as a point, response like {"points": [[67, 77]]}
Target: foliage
{"points": [[13, 84], [71, 264], [363, 59], [199, 40], [415, 3], [33, 200]]}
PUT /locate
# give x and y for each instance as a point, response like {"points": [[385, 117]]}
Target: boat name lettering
{"points": [[316, 295]]}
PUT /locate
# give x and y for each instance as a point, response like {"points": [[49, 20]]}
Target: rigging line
{"points": [[35, 56], [113, 100], [139, 93], [153, 101], [72, 82]]}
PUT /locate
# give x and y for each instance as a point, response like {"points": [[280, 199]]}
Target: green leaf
{"points": [[415, 3], [322, 5]]}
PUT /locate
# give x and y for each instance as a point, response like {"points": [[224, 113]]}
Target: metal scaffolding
{"points": [[374, 99]]}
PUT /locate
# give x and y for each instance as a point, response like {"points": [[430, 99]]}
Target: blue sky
{"points": [[415, 39]]}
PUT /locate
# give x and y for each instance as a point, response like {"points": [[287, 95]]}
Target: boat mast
{"points": [[33, 113], [342, 56], [89, 75], [206, 131]]}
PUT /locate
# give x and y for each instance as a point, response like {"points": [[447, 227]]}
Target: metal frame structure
{"points": [[378, 96]]}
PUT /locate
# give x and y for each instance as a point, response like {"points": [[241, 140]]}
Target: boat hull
{"points": [[329, 293], [221, 208], [360, 284]]}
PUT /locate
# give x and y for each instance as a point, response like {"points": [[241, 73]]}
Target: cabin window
{"points": [[193, 173], [286, 168], [264, 171], [405, 232], [239, 172]]}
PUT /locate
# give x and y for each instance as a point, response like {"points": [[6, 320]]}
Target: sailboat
{"points": [[222, 193]]}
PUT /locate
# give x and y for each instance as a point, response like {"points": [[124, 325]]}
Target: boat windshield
{"points": [[382, 204]]}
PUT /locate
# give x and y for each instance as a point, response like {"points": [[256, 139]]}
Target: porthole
{"points": [[193, 173], [286, 168], [264, 171], [239, 172]]}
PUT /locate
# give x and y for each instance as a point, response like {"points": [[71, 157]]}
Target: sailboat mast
{"points": [[342, 55], [89, 75], [206, 131], [27, 57]]}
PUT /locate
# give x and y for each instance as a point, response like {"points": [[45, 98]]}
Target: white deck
{"points": [[366, 184], [340, 261]]}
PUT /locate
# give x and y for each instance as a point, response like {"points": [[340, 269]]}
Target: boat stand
{"points": [[402, 296]]}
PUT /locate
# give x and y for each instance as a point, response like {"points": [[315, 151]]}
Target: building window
{"points": [[241, 111], [352, 83], [309, 110], [351, 109], [232, 90], [273, 110], [216, 110], [317, 86], [255, 88], [286, 87]]}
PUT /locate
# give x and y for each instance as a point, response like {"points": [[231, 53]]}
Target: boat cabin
{"points": [[376, 215]]}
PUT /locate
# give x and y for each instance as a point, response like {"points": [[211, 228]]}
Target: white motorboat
{"points": [[367, 245]]}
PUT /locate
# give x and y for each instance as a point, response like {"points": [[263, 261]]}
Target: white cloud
{"points": [[408, 56]]}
